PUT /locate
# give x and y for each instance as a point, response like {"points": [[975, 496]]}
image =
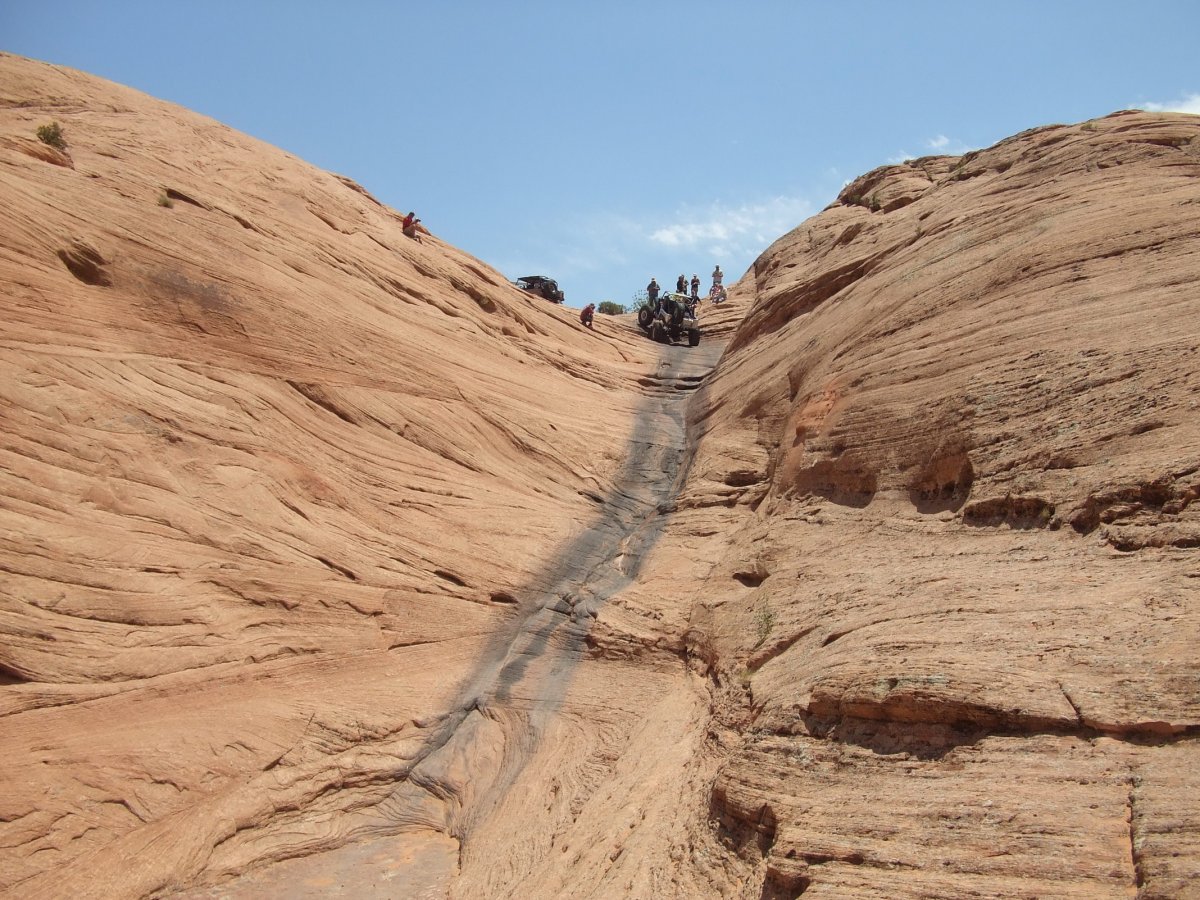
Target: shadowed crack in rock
{"points": [[473, 754]]}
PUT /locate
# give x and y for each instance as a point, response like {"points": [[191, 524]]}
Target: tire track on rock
{"points": [[474, 753]]}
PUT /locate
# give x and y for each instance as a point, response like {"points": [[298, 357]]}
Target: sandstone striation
{"points": [[960, 599], [333, 565], [278, 485]]}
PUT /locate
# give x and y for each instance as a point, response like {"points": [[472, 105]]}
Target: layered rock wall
{"points": [[960, 602], [278, 484], [330, 563]]}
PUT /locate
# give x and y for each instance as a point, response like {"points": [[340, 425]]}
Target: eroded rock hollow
{"points": [[331, 564]]}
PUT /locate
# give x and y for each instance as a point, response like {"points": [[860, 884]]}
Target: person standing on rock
{"points": [[681, 285], [695, 288], [586, 314], [652, 290]]}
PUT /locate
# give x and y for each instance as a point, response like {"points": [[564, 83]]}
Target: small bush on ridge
{"points": [[52, 135]]}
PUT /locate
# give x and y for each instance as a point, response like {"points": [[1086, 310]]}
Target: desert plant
{"points": [[765, 623], [609, 308], [52, 134]]}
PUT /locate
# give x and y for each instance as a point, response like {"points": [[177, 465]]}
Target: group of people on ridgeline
{"points": [[716, 293], [412, 227]]}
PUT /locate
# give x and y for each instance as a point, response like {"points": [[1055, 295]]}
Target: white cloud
{"points": [[1189, 104], [946, 146], [727, 230], [941, 145], [611, 256]]}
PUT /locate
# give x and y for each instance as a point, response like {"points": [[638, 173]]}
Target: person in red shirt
{"points": [[585, 314], [412, 227]]}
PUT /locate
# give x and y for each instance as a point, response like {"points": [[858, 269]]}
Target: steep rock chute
{"points": [[332, 560]]}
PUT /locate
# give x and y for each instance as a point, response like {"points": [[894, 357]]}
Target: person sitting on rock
{"points": [[586, 314], [412, 227]]}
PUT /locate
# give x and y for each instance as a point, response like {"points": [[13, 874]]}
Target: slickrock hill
{"points": [[285, 499], [954, 631], [333, 565]]}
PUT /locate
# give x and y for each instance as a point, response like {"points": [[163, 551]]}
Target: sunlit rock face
{"points": [[333, 564], [279, 486], [960, 599]]}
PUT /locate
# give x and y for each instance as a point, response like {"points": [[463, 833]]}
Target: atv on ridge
{"points": [[670, 320], [541, 286]]}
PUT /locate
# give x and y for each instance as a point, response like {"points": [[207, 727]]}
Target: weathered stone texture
{"points": [[331, 563]]}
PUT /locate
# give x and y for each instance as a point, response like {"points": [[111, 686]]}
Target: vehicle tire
{"points": [[677, 315], [693, 337], [657, 332], [645, 317]]}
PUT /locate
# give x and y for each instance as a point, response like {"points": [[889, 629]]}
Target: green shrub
{"points": [[609, 308], [52, 134]]}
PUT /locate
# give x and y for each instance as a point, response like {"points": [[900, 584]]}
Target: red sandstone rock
{"points": [[274, 479], [321, 545], [965, 419]]}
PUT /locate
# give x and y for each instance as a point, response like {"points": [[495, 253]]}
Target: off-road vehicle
{"points": [[541, 286], [674, 320]]}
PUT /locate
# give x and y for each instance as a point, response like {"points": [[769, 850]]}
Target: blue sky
{"points": [[605, 142]]}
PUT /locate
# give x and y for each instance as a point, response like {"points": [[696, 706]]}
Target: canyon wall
{"points": [[333, 564], [957, 619]]}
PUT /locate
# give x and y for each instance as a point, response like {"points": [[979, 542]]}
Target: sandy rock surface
{"points": [[333, 565], [957, 616], [280, 488]]}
